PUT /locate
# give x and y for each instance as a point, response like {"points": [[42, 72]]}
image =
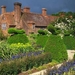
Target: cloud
{"points": [[52, 6]]}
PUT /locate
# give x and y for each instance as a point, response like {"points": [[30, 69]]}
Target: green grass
{"points": [[41, 40], [18, 38], [56, 46], [69, 42]]}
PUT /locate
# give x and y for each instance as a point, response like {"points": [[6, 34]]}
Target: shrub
{"points": [[18, 38], [74, 57], [56, 46], [51, 28], [7, 51], [42, 32], [12, 31], [69, 41], [20, 48], [41, 40], [15, 31], [23, 64], [20, 31]]}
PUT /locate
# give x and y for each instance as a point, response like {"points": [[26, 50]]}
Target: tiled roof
{"points": [[39, 19], [9, 18]]}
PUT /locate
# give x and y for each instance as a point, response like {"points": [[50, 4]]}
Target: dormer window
{"points": [[31, 24], [3, 26]]}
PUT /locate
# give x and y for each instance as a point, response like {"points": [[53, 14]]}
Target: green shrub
{"points": [[18, 38], [20, 31], [56, 46], [74, 57], [42, 32], [23, 64], [41, 40], [12, 31], [69, 41], [51, 28], [15, 31], [7, 51]]}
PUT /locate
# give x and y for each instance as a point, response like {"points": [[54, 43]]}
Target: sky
{"points": [[52, 6]]}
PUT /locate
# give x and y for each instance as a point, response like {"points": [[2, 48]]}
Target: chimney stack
{"points": [[44, 11], [26, 9], [17, 12], [3, 9]]}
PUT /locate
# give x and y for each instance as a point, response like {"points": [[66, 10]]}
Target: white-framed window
{"points": [[3, 26]]}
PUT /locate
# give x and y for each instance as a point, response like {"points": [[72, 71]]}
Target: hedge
{"points": [[23, 64], [41, 40], [18, 38], [69, 42], [56, 46]]}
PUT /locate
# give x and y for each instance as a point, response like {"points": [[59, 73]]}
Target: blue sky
{"points": [[53, 6]]}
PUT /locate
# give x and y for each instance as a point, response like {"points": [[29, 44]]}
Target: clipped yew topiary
{"points": [[42, 32], [18, 38], [15, 31], [41, 40], [69, 42], [56, 46]]}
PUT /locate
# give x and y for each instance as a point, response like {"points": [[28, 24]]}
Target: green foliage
{"points": [[12, 31], [74, 57], [67, 33], [69, 41], [41, 40], [23, 64], [15, 31], [42, 32], [6, 50], [51, 28], [56, 46], [18, 38]]}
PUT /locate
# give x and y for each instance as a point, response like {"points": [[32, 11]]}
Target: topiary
{"points": [[12, 31], [51, 28], [42, 32], [15, 31], [18, 38], [56, 46], [69, 41], [41, 40]]}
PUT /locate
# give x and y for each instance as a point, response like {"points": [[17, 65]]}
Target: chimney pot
{"points": [[3, 8], [26, 9], [17, 3], [44, 11]]}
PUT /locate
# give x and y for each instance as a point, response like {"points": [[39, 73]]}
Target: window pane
{"points": [[3, 26]]}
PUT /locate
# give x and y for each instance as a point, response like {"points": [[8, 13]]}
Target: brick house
{"points": [[24, 19]]}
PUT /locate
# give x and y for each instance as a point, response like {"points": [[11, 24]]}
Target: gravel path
{"points": [[70, 54]]}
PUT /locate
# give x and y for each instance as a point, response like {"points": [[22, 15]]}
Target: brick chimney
{"points": [[17, 12], [3, 9], [26, 9], [44, 11]]}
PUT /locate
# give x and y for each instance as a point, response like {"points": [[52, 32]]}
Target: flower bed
{"points": [[23, 64]]}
